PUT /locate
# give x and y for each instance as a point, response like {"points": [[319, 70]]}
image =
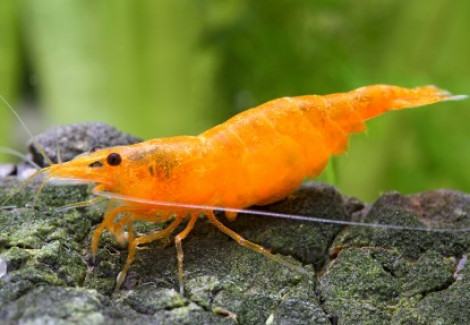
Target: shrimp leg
{"points": [[258, 248], [115, 228], [86, 203], [142, 240], [107, 223], [179, 247], [142, 214]]}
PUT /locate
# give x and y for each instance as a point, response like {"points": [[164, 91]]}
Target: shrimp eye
{"points": [[96, 164], [114, 159]]}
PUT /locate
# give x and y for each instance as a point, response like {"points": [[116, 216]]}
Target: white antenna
{"points": [[33, 138]]}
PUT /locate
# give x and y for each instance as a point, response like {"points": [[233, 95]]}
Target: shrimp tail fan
{"points": [[381, 98]]}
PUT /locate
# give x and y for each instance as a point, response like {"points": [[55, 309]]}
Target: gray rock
{"points": [[384, 276], [74, 139], [370, 277], [358, 275]]}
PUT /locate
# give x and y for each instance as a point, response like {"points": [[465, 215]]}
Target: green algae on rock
{"points": [[386, 276], [370, 276]]}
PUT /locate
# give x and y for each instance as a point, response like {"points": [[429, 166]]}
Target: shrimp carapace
{"points": [[257, 157]]}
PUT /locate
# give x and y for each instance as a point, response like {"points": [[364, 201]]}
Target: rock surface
{"points": [[358, 275], [71, 140]]}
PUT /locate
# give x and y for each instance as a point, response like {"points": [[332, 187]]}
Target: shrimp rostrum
{"points": [[255, 158]]}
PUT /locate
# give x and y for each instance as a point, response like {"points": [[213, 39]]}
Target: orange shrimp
{"points": [[257, 157]]}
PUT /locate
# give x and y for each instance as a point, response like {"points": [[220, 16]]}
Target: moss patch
{"points": [[363, 276]]}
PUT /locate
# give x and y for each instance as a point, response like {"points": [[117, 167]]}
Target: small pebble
{"points": [[3, 267], [25, 172], [460, 267], [7, 170]]}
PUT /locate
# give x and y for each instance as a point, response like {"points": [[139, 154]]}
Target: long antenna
{"points": [[277, 215], [33, 138], [19, 155]]}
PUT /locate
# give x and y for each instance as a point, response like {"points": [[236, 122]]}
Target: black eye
{"points": [[114, 159]]}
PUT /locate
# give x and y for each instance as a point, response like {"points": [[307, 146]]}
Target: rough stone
{"points": [[74, 139], [351, 274]]}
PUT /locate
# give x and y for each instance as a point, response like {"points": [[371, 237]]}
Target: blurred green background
{"points": [[172, 67]]}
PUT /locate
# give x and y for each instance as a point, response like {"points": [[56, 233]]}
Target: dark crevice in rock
{"points": [[443, 287], [7, 246], [321, 304], [355, 209]]}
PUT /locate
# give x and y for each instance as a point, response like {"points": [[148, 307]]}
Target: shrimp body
{"points": [[257, 157], [264, 153]]}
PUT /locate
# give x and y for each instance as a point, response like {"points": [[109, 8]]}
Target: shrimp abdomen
{"points": [[348, 111], [269, 149]]}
